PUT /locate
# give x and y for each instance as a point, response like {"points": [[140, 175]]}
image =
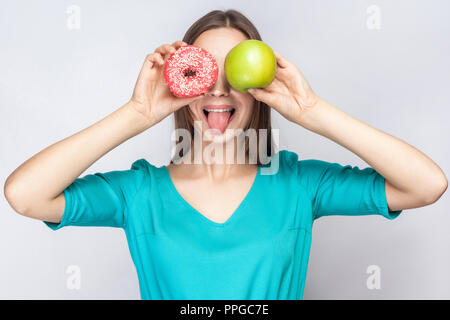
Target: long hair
{"points": [[261, 116]]}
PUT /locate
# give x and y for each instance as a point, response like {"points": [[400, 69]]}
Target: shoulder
{"points": [[142, 165], [292, 161], [146, 170], [305, 171]]}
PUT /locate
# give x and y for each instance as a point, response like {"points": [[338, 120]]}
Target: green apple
{"points": [[250, 64]]}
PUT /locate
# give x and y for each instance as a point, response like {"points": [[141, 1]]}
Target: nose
{"points": [[220, 87], [216, 92]]}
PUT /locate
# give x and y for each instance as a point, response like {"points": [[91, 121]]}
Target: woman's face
{"points": [[221, 96]]}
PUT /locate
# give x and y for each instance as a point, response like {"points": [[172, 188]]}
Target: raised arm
{"points": [[412, 179], [35, 188]]}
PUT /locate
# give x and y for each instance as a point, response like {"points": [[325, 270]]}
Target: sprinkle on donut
{"points": [[190, 71]]}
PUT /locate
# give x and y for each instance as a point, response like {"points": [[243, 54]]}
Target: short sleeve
{"points": [[101, 199], [344, 190]]}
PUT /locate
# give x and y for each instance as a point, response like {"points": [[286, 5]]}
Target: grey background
{"points": [[55, 82]]}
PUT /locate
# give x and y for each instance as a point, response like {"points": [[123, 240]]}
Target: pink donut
{"points": [[190, 71]]}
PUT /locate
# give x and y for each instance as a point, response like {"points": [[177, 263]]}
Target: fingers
{"points": [[167, 49], [281, 60], [285, 75], [287, 71], [154, 59], [162, 53], [179, 43], [262, 95]]}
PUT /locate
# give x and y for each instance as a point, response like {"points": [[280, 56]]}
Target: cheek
{"points": [[248, 102], [249, 107], [246, 115], [249, 115]]}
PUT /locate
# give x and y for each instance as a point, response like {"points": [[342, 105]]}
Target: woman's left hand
{"points": [[289, 93]]}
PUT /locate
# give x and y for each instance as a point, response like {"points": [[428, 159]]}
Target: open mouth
{"points": [[219, 117]]}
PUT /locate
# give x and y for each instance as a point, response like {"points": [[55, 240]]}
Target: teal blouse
{"points": [[260, 252]]}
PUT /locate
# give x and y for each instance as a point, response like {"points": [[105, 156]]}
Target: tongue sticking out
{"points": [[218, 120]]}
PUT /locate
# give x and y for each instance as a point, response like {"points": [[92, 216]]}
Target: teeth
{"points": [[219, 110]]}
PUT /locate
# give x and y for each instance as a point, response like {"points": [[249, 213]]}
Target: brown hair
{"points": [[227, 19]]}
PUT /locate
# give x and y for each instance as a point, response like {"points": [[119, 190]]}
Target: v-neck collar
{"points": [[202, 217]]}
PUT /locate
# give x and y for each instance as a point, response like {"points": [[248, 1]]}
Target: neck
{"points": [[217, 159]]}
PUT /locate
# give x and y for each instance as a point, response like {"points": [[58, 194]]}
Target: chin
{"points": [[217, 137]]}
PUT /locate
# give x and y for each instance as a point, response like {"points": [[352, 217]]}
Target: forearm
{"points": [[45, 175], [404, 166]]}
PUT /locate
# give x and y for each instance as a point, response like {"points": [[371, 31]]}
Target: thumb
{"points": [[191, 99], [261, 95], [180, 102]]}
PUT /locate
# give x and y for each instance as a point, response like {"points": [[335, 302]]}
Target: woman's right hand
{"points": [[151, 95]]}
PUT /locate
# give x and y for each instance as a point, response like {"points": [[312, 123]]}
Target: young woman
{"points": [[221, 230]]}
